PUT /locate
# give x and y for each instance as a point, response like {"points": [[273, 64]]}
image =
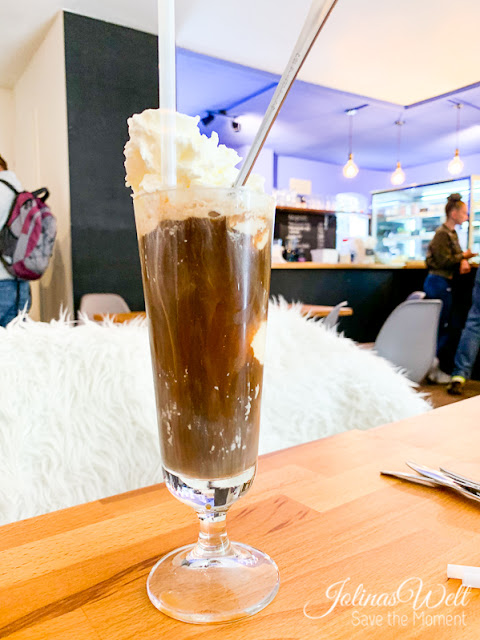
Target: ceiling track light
{"points": [[211, 115], [208, 119], [398, 176], [350, 169], [455, 166]]}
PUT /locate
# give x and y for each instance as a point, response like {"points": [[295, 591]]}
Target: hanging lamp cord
{"points": [[350, 134], [458, 107], [399, 124]]}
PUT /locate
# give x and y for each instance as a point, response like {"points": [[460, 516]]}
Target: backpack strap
{"points": [[42, 193], [10, 186], [7, 184]]}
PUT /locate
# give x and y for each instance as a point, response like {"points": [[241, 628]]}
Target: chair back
{"points": [[331, 320], [408, 338], [417, 295], [92, 303]]}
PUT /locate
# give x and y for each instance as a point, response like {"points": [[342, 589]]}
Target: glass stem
{"points": [[212, 539]]}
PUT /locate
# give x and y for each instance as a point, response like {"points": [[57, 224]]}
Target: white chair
{"points": [[408, 337], [331, 320], [93, 303]]}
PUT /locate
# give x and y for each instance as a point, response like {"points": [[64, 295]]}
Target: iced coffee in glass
{"points": [[205, 254]]}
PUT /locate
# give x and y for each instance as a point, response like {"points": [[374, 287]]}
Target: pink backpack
{"points": [[28, 235]]}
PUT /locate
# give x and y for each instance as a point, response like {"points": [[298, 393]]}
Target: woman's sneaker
{"points": [[455, 388], [436, 375]]}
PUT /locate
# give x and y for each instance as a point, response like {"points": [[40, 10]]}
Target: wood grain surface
{"points": [[414, 264], [322, 311], [321, 510], [120, 317]]}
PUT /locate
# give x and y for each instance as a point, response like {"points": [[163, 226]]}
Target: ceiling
{"points": [[396, 58], [312, 122], [400, 52]]}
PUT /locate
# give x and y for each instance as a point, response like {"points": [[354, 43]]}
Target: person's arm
{"points": [[465, 267], [6, 200], [469, 254], [444, 255]]}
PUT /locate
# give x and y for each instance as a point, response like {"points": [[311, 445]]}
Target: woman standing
{"points": [[445, 258]]}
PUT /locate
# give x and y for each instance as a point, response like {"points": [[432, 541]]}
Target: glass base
{"points": [[215, 589]]}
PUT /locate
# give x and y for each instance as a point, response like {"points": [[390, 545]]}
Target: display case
{"points": [[404, 220], [352, 225], [474, 218]]}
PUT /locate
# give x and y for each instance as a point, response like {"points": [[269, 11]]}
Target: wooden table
{"points": [[314, 310], [120, 317], [411, 264], [321, 510], [322, 310]]}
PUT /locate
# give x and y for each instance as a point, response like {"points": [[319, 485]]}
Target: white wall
{"points": [[7, 124], [41, 159]]}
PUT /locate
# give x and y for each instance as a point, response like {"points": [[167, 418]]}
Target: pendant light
{"points": [[350, 170], [398, 176], [455, 166]]}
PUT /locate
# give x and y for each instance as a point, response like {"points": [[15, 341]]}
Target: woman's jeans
{"points": [[439, 288], [14, 297], [469, 344]]}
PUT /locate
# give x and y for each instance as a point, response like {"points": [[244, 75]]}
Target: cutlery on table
{"points": [[439, 478], [466, 482]]}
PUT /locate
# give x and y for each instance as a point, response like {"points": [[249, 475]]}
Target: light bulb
{"points": [[350, 169], [455, 165], [398, 176]]}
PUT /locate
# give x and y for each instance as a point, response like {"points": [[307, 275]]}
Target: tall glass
{"points": [[205, 255]]}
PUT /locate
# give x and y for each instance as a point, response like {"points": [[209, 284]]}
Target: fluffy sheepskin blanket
{"points": [[77, 409]]}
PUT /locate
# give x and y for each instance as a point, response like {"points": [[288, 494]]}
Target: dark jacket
{"points": [[444, 253]]}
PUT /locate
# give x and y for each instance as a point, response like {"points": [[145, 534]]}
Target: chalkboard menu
{"points": [[311, 230]]}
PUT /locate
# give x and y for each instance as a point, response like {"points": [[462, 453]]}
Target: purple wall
{"points": [[438, 170], [263, 165], [328, 179]]}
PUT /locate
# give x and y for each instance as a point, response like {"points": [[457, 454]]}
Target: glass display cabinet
{"points": [[404, 220], [474, 218]]}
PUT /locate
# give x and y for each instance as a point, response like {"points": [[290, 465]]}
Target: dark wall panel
{"points": [[111, 73]]}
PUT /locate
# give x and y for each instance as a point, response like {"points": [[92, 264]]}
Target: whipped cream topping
{"points": [[201, 161]]}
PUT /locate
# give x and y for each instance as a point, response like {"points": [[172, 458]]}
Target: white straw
{"points": [[317, 16], [455, 571], [460, 571], [167, 90], [471, 577]]}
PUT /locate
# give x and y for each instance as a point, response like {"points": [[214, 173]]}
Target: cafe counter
{"points": [[419, 264], [372, 290]]}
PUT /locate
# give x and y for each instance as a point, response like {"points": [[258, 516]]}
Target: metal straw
{"points": [[317, 17]]}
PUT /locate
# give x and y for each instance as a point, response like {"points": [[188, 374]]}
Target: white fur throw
{"points": [[77, 411]]}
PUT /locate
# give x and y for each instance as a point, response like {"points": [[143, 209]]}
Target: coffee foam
{"points": [[252, 216]]}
